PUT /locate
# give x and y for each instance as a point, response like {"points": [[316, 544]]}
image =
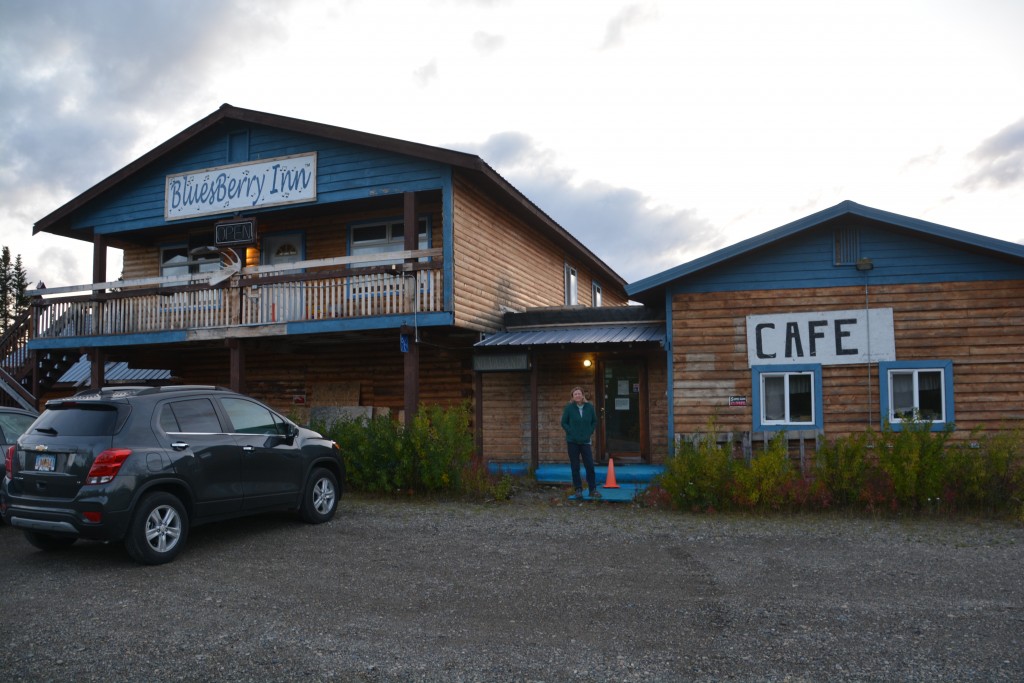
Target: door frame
{"points": [[640, 360]]}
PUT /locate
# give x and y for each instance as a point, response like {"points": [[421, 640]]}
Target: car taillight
{"points": [[9, 462], [106, 465]]}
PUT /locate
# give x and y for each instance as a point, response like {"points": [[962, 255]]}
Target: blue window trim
{"points": [[757, 370], [947, 397]]}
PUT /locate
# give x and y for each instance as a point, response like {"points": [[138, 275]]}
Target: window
{"points": [[381, 238], [177, 259], [572, 295], [251, 418], [596, 292], [921, 390], [193, 416], [788, 396]]}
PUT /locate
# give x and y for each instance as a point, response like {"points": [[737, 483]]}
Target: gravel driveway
{"points": [[533, 590]]}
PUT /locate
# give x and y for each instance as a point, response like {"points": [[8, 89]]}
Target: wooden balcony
{"points": [[241, 297]]}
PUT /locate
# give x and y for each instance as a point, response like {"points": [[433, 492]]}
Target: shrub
{"points": [[697, 477], [841, 467], [914, 461], [768, 482], [382, 456]]}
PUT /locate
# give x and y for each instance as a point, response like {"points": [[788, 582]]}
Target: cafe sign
{"points": [[240, 187], [825, 338]]}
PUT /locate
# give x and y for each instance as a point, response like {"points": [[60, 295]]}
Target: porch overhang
{"points": [[578, 335]]}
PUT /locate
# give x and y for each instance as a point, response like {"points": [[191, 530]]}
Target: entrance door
{"points": [[622, 413]]}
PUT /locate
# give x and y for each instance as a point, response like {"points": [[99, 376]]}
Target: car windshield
{"points": [[78, 419]]}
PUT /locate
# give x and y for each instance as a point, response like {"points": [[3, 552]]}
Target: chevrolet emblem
{"points": [[41, 447]]}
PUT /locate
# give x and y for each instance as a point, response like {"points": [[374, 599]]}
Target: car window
{"points": [[78, 419], [250, 418], [191, 416], [13, 425]]}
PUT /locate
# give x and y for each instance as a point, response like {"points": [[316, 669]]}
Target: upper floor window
{"points": [[572, 294], [383, 238], [596, 294], [917, 390], [177, 259], [787, 397]]}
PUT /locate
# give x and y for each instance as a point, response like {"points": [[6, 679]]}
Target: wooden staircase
{"points": [[17, 362]]}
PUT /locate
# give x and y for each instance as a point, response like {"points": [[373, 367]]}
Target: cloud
{"points": [[618, 224], [426, 73], [487, 43], [1000, 159], [627, 17], [94, 81]]}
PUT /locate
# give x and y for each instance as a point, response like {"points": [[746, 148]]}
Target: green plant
{"points": [[697, 477], [765, 482], [841, 466], [913, 459]]}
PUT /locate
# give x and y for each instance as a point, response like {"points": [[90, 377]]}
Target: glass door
{"points": [[621, 413]]}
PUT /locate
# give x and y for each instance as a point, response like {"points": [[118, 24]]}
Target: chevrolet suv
{"points": [[144, 464]]}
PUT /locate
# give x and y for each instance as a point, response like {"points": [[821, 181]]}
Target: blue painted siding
{"points": [[806, 260], [343, 172]]}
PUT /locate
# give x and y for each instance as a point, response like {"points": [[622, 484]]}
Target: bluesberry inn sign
{"points": [[269, 182], [827, 337]]}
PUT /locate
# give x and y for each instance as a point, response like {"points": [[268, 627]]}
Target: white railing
{"points": [[243, 301]]}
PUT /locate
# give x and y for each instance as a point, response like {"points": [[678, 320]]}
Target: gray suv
{"points": [[143, 464]]}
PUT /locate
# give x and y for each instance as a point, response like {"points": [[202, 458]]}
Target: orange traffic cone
{"points": [[609, 481]]}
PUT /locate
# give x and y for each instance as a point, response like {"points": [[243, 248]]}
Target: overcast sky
{"points": [[655, 132]]}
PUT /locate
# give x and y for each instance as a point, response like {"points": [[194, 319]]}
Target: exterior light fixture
{"points": [[865, 264], [587, 362]]}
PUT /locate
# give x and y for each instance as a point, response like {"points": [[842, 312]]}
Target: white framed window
{"points": [[787, 397], [917, 390], [177, 260], [384, 237], [596, 294], [572, 293]]}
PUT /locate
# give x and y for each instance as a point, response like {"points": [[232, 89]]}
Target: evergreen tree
{"points": [[6, 292], [13, 289]]}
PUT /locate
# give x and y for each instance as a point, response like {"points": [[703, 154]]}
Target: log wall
{"points": [[979, 326]]}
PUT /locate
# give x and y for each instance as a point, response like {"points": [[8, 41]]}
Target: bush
{"points": [[768, 482], [382, 456], [841, 467], [698, 476]]}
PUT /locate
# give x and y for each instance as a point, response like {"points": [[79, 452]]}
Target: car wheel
{"points": [[48, 542], [158, 529], [320, 499]]}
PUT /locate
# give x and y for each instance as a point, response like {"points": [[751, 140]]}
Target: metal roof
{"points": [[79, 374], [582, 334]]}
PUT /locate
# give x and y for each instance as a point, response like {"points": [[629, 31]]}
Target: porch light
{"points": [[587, 362]]}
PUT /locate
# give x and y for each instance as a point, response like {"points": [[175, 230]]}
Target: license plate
{"points": [[46, 463]]}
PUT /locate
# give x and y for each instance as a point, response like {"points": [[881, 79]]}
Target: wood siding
{"points": [[979, 326], [501, 264]]}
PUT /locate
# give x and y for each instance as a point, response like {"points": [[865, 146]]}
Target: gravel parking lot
{"points": [[533, 590]]}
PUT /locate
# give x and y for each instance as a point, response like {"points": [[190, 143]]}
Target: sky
{"points": [[654, 131]]}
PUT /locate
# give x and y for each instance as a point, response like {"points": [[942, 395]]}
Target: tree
{"points": [[13, 288]]}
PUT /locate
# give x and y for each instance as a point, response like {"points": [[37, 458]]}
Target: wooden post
{"points": [[412, 374], [478, 415], [237, 365], [99, 258], [534, 413], [97, 371]]}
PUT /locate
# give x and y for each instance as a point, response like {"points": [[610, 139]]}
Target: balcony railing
{"points": [[263, 295]]}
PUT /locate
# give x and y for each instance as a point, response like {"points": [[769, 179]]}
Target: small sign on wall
{"points": [[737, 401]]}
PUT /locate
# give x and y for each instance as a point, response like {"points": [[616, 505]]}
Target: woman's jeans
{"points": [[575, 451]]}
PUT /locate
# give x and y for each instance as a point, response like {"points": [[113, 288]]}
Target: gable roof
{"points": [[58, 221], [649, 288]]}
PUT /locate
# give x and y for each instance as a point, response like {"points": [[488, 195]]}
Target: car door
{"points": [[204, 454], [272, 469]]}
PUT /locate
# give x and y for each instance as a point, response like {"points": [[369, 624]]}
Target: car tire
{"points": [[158, 529], [48, 542], [320, 499]]}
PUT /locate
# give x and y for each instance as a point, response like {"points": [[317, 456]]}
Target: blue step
{"points": [[632, 479]]}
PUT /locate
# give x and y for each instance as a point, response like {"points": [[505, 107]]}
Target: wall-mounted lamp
{"points": [[587, 362], [865, 264]]}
